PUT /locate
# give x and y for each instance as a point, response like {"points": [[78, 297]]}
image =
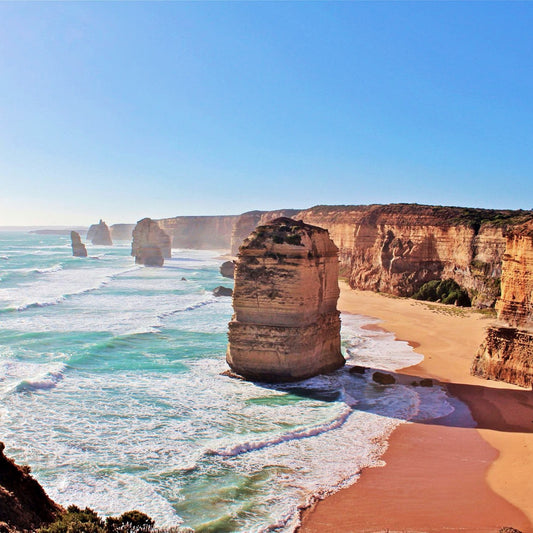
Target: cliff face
{"points": [[150, 243], [24, 506], [507, 352], [397, 248], [285, 325], [516, 304], [121, 232], [78, 248], [99, 234], [201, 233]]}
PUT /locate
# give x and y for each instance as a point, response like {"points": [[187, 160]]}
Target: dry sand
{"points": [[441, 476]]}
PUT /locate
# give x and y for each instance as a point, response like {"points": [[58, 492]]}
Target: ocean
{"points": [[112, 390]]}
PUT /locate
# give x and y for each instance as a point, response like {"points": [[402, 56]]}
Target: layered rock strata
{"points": [[99, 234], [397, 248], [150, 245], [78, 248], [507, 352], [285, 326], [24, 506]]}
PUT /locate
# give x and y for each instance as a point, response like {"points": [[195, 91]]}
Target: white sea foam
{"points": [[148, 422]]}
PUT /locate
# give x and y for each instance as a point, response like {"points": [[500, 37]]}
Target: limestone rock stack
{"points": [[507, 352], [78, 248], [285, 325], [99, 234], [151, 245]]}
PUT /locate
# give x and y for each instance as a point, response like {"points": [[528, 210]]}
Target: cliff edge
{"points": [[24, 506], [285, 326]]}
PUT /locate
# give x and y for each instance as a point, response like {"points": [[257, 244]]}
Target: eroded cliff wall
{"points": [[201, 233], [507, 352], [285, 325], [397, 248]]}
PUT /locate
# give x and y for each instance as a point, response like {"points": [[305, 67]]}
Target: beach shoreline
{"points": [[442, 475]]}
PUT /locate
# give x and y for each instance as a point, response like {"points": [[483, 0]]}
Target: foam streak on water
{"points": [[113, 393]]}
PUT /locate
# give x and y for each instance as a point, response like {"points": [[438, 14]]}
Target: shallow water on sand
{"points": [[111, 385]]}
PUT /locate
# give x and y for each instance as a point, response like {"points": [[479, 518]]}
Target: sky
{"points": [[121, 110]]}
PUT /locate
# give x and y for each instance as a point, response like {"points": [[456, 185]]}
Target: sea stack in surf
{"points": [[99, 234], [507, 352], [285, 326], [78, 248], [151, 245]]}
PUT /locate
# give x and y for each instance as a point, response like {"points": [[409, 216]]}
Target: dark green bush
{"points": [[76, 520], [446, 291], [129, 522]]}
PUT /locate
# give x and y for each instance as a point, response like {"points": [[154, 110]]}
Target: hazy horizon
{"points": [[125, 110]]}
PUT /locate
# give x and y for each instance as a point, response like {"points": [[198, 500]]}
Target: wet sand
{"points": [[443, 475]]}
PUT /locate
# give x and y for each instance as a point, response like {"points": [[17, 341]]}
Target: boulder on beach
{"points": [[383, 379]]}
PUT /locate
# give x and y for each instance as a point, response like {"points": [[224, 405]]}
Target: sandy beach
{"points": [[444, 475]]}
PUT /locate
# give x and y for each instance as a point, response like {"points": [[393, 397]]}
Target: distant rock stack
{"points": [[285, 326], [78, 248], [151, 245], [99, 234], [507, 352]]}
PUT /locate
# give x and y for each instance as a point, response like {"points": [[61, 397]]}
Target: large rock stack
{"points": [[151, 245], [285, 325], [78, 248], [99, 234], [507, 352]]}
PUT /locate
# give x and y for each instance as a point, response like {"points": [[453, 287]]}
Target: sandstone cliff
{"points": [[200, 233], [24, 506], [392, 248], [285, 325], [150, 245], [507, 352], [397, 248], [99, 234], [78, 248], [121, 232]]}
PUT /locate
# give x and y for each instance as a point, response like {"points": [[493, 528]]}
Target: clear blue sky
{"points": [[125, 110]]}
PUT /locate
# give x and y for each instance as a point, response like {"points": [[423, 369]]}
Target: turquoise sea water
{"points": [[111, 385]]}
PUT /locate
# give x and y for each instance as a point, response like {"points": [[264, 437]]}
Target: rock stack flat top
{"points": [[78, 248], [150, 245], [285, 325], [99, 234]]}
